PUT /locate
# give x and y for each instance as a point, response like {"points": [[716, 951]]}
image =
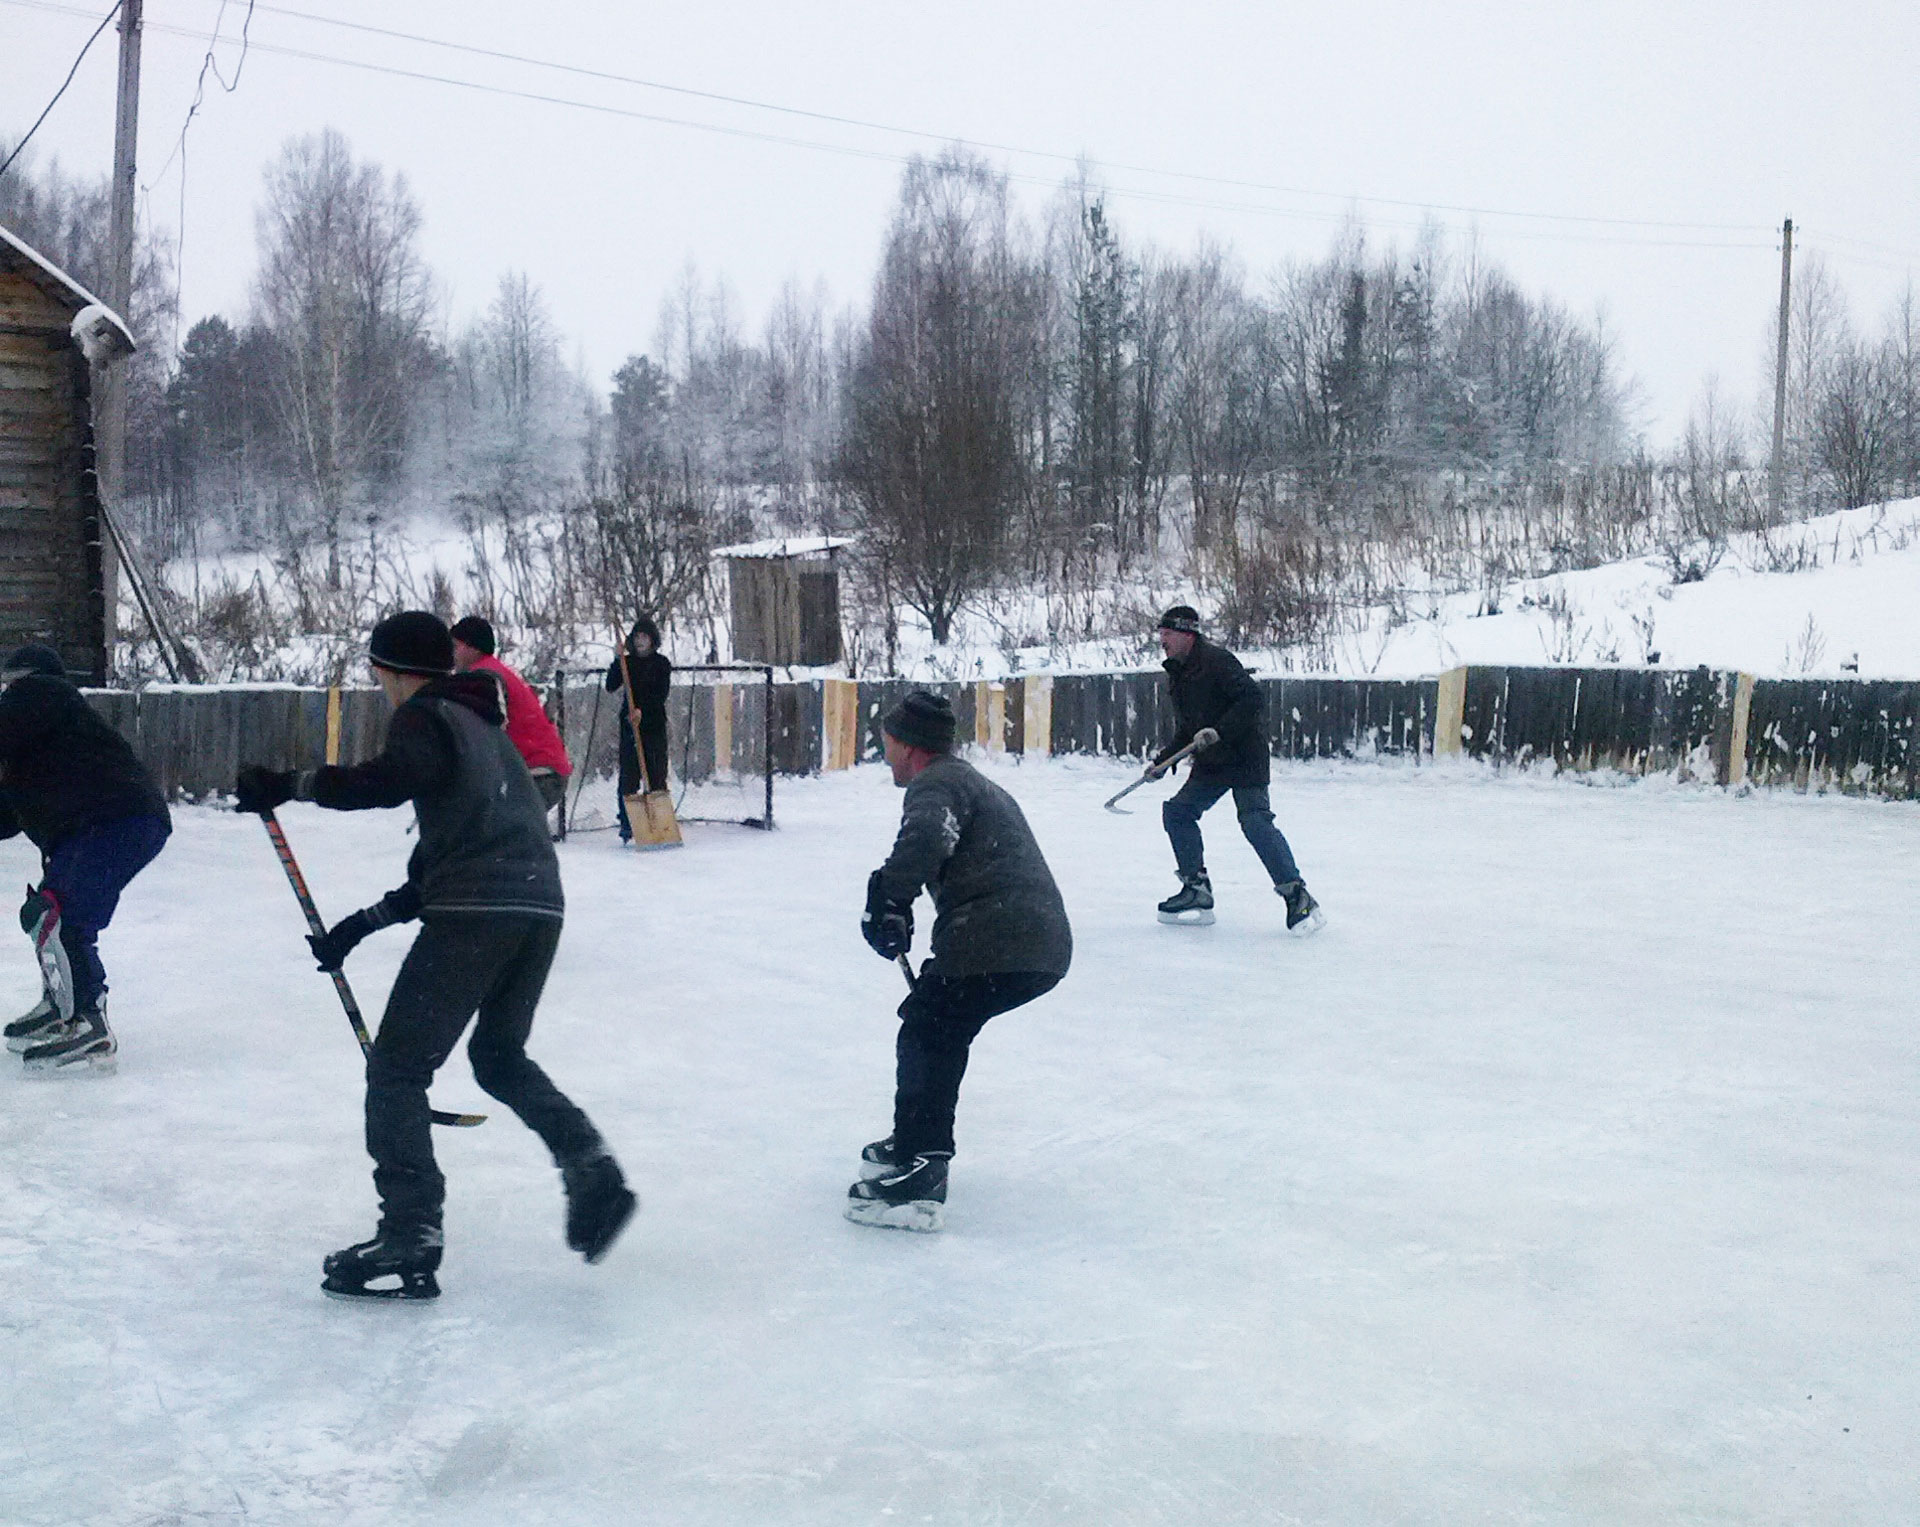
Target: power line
{"points": [[86, 48], [1132, 193]]}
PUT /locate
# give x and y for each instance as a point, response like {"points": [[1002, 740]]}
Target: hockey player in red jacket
{"points": [[528, 727]]}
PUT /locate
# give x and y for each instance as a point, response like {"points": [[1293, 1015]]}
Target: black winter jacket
{"points": [[1210, 688], [483, 844], [63, 768], [996, 907]]}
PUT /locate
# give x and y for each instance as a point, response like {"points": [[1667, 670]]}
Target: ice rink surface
{"points": [[1571, 1175]]}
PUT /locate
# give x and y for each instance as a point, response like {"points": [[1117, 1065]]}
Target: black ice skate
{"points": [[1192, 905], [881, 1159], [1303, 912], [404, 1266], [83, 1047], [912, 1197], [45, 1022], [599, 1204]]}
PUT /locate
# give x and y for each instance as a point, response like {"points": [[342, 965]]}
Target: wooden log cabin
{"points": [[53, 568]]}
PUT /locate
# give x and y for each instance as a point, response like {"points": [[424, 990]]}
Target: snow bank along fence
{"points": [[1730, 728]]}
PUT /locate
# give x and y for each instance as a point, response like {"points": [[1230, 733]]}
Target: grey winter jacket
{"points": [[996, 907]]}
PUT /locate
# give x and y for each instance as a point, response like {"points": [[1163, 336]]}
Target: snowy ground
{"points": [[1568, 1176]]}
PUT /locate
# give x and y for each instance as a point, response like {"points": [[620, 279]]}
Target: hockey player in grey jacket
{"points": [[1000, 939]]}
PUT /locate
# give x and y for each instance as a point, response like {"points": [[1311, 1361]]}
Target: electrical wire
{"points": [[20, 147], [1130, 193]]}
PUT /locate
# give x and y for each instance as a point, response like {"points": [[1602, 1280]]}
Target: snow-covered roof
{"points": [[786, 546], [60, 286]]}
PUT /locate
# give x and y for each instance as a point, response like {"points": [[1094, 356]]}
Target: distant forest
{"points": [[1030, 403]]}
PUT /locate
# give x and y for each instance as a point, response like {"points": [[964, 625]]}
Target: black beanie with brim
{"points": [[414, 641], [1182, 617], [922, 720]]}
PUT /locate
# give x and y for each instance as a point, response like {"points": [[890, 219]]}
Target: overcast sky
{"points": [[1693, 127]]}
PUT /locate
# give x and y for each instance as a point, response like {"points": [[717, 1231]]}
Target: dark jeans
{"points": [[1181, 817], [86, 874], [493, 962], [938, 1022], [653, 744]]}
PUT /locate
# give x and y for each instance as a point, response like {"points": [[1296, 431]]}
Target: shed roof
{"points": [[17, 254], [786, 546]]}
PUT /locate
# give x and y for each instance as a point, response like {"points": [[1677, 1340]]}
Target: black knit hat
{"points": [[922, 720], [477, 632], [414, 641], [35, 657], [1182, 617]]}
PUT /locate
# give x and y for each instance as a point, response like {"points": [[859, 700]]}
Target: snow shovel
{"points": [[299, 884], [1147, 777]]}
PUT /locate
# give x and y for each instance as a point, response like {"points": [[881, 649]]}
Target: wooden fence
{"points": [[1725, 727]]}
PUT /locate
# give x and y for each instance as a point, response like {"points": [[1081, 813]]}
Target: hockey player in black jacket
{"points": [[1000, 939], [486, 885], [1220, 711], [71, 783]]}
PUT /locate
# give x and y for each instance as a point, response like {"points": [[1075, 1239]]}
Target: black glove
{"points": [[886, 925], [259, 790], [332, 947]]}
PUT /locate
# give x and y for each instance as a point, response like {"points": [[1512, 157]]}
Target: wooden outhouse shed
{"points": [[785, 597], [53, 570]]}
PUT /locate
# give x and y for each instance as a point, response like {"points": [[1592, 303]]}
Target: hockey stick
{"points": [[1147, 778], [906, 969], [318, 928]]}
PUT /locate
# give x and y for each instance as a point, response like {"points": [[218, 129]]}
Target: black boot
{"points": [[1192, 904], [42, 1023], [599, 1204], [912, 1197], [411, 1258], [1303, 912]]}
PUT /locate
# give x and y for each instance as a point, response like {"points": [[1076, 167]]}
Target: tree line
{"points": [[1021, 402]]}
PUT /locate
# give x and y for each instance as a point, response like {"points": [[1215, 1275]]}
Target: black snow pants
{"points": [[494, 963], [938, 1024]]}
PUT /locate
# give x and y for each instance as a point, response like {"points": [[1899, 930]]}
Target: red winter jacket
{"points": [[527, 724]]}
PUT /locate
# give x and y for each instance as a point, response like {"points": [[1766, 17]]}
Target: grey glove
{"points": [[1205, 738]]}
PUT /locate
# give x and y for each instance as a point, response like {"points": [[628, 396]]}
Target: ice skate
{"points": [[43, 1023], [83, 1046], [905, 1198], [599, 1204], [408, 1260], [881, 1159], [1192, 905], [1304, 916]]}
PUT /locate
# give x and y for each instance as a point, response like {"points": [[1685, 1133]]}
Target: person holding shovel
{"points": [[641, 675]]}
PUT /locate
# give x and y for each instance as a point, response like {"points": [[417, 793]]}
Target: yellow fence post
{"points": [[1737, 745], [1450, 713], [333, 724], [1037, 732], [840, 710]]}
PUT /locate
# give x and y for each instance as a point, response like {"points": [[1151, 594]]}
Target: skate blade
{"points": [[21, 1043], [418, 1291], [921, 1215], [1309, 925], [79, 1065], [1197, 919]]}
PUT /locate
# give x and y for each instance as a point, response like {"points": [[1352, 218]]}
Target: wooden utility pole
{"points": [[110, 435], [1776, 485]]}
